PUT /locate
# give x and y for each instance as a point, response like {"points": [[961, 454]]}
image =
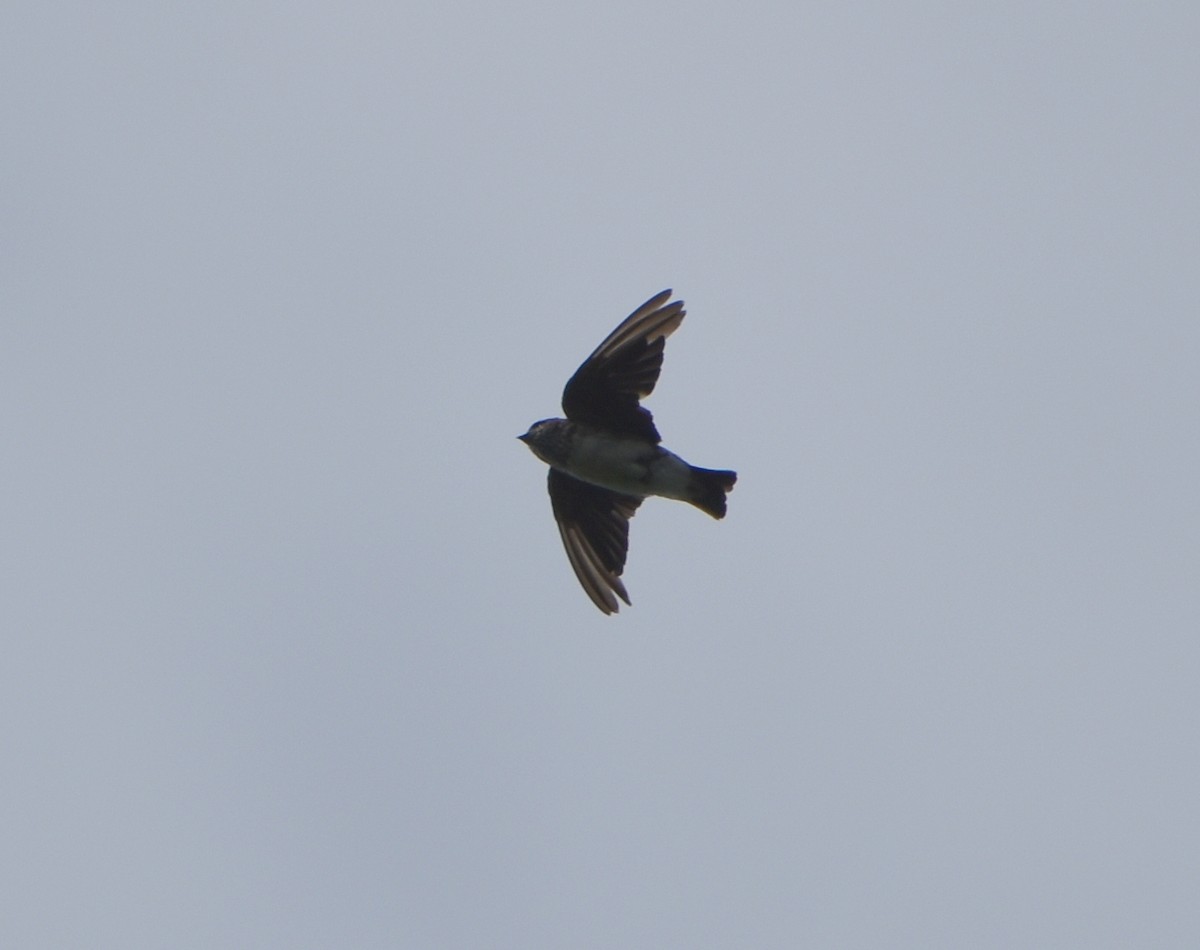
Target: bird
{"points": [[605, 457]]}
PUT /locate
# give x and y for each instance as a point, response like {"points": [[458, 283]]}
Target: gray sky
{"points": [[293, 656]]}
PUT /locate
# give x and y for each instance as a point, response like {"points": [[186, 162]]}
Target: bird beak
{"points": [[524, 438]]}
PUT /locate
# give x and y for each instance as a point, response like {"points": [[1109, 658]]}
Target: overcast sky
{"points": [[293, 657]]}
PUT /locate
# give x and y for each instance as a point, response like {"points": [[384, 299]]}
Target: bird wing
{"points": [[594, 524], [606, 388]]}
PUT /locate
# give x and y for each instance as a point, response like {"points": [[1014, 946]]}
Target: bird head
{"points": [[547, 439]]}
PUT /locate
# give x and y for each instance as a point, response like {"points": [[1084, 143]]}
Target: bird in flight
{"points": [[605, 458]]}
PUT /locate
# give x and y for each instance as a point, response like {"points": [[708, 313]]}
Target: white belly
{"points": [[628, 466]]}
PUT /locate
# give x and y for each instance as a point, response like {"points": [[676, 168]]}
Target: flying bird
{"points": [[605, 458]]}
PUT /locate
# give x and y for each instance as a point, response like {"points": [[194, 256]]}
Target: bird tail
{"points": [[707, 490]]}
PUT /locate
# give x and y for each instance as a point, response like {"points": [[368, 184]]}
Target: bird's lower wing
{"points": [[594, 525]]}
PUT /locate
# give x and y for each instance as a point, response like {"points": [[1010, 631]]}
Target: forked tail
{"points": [[707, 489]]}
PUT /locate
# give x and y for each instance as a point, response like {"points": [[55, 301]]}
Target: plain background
{"points": [[292, 656]]}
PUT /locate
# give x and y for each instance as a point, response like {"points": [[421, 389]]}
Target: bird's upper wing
{"points": [[594, 524], [605, 390]]}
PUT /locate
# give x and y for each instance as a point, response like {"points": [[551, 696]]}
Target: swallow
{"points": [[605, 457]]}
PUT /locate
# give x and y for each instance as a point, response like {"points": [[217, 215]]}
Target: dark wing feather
{"points": [[605, 390], [594, 524]]}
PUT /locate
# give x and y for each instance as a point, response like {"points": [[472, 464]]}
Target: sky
{"points": [[293, 657]]}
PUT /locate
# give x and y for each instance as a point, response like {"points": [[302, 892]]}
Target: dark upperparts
{"points": [[606, 389]]}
